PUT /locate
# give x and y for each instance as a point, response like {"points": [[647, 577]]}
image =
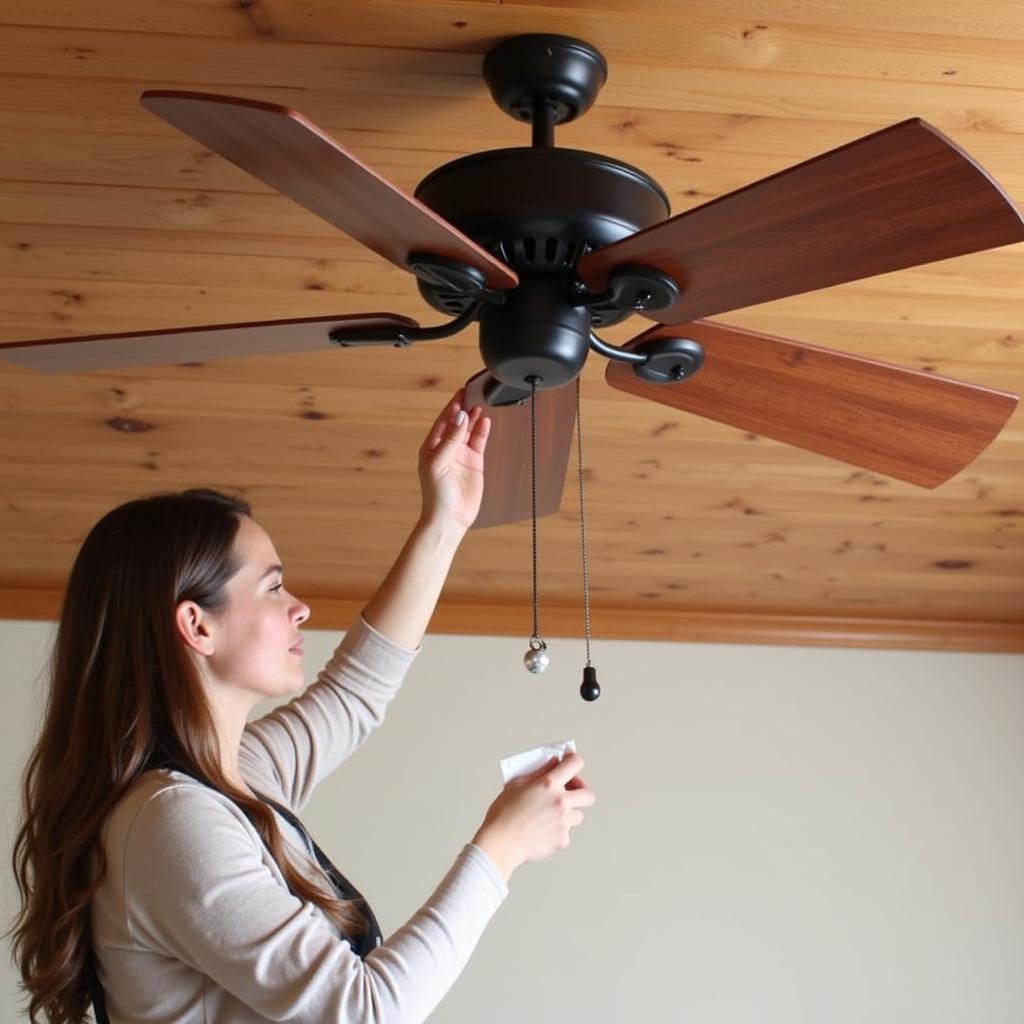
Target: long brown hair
{"points": [[124, 697]]}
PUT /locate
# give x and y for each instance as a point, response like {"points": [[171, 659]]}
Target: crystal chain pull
{"points": [[536, 659]]}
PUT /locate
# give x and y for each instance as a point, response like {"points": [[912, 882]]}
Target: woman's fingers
{"points": [[481, 430], [445, 417], [477, 428], [446, 428], [567, 769], [565, 774], [543, 770], [454, 437]]}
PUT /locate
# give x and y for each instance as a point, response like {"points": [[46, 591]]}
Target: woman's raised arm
{"points": [[451, 469]]}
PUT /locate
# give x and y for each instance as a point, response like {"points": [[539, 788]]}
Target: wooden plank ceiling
{"points": [[110, 220]]}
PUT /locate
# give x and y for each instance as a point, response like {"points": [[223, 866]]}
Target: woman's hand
{"points": [[532, 816], [451, 464]]}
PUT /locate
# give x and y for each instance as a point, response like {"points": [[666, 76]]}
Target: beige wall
{"points": [[782, 835]]}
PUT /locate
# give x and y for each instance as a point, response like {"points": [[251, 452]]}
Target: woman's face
{"points": [[257, 646]]}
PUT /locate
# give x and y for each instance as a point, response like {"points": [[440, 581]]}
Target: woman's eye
{"points": [[276, 587]]}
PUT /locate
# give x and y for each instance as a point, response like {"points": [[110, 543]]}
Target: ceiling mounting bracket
{"points": [[545, 78]]}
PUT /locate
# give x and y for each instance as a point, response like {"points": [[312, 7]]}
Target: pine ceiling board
{"points": [[951, 350], [176, 209], [949, 105], [57, 238], [282, 274], [998, 19], [994, 19], [711, 41], [998, 310], [186, 19], [117, 54], [90, 394]]}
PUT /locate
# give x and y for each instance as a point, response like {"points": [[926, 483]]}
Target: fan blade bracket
{"points": [[463, 280], [386, 337], [668, 360], [665, 360], [622, 355], [400, 336], [631, 289]]}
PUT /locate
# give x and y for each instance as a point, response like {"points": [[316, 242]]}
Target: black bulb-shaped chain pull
{"points": [[590, 689], [536, 659]]}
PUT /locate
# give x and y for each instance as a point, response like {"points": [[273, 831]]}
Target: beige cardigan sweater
{"points": [[193, 922]]}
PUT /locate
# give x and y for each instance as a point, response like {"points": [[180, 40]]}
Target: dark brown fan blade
{"points": [[901, 423], [188, 344], [901, 197], [280, 147], [507, 485]]}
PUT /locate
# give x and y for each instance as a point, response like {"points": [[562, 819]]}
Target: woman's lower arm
{"points": [[404, 603]]}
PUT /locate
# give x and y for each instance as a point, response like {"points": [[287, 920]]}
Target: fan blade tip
{"points": [[148, 96], [151, 99]]}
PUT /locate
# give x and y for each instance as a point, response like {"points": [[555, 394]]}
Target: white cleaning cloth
{"points": [[532, 760]]}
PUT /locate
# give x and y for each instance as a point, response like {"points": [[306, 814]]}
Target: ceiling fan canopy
{"points": [[541, 246]]}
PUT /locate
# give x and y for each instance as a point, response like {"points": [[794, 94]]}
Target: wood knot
{"points": [[129, 426]]}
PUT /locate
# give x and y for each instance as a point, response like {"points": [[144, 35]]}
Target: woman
{"points": [[159, 851]]}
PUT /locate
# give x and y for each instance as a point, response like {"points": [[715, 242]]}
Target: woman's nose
{"points": [[301, 611]]}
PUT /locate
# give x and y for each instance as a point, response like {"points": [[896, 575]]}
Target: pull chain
{"points": [[536, 659], [589, 688]]}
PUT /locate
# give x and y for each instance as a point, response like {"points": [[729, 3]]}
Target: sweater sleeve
{"points": [[291, 749], [197, 889]]}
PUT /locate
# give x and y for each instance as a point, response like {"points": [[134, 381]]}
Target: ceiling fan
{"points": [[540, 245]]}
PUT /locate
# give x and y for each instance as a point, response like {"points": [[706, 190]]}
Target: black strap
{"points": [[99, 1000], [361, 945], [371, 938]]}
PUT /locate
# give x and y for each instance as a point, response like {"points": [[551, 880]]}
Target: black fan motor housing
{"points": [[538, 209]]}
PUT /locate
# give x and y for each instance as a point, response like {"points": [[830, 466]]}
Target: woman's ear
{"points": [[193, 624]]}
